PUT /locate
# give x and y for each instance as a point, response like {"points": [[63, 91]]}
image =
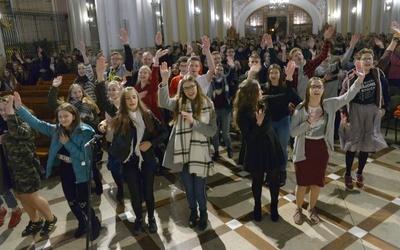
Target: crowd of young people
{"points": [[268, 98]]}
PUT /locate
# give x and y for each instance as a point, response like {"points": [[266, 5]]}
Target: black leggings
{"points": [[141, 185], [77, 194], [362, 160], [256, 186]]}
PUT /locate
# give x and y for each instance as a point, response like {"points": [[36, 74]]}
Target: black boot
{"points": [[230, 152], [96, 226], [193, 218], [203, 222], [274, 211], [215, 157], [282, 178], [77, 211], [257, 214], [137, 227], [95, 223]]}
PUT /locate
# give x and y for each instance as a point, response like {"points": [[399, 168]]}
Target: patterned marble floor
{"points": [[361, 219]]}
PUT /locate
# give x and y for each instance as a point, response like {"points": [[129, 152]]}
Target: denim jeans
{"points": [[282, 131], [224, 124], [9, 198], [195, 188]]}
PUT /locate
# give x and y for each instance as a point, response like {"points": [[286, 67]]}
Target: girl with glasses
{"points": [[312, 125], [188, 150], [365, 111]]}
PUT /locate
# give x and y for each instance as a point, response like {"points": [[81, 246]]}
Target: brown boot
{"points": [[348, 181], [360, 181]]}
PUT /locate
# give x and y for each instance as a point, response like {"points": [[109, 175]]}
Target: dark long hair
{"points": [[247, 99], [280, 82], [122, 120]]}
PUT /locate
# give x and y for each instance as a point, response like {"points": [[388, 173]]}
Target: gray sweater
{"points": [[299, 126]]}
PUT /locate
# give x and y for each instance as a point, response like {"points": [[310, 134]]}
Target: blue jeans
{"points": [[282, 131], [224, 124], [195, 188], [9, 198]]}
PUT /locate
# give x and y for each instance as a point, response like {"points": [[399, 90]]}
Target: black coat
{"points": [[261, 150]]}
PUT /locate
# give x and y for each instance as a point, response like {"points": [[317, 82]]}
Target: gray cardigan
{"points": [[298, 124], [208, 130]]}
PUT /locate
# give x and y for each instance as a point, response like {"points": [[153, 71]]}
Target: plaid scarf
{"points": [[192, 147]]}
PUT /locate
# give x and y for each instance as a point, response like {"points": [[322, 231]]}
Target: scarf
{"points": [[138, 122], [219, 86], [192, 147]]}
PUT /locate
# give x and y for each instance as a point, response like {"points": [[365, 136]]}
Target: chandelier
{"points": [[278, 5]]}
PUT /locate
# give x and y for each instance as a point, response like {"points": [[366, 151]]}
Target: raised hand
{"points": [[354, 40], [160, 53], [9, 108], [57, 81], [205, 43], [158, 38], [189, 48], [17, 101], [123, 36], [268, 40], [395, 27], [311, 43], [165, 73], [360, 72], [289, 70], [328, 33], [101, 65], [378, 42], [82, 48]]}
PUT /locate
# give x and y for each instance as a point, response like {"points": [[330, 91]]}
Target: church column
{"points": [[79, 22], [174, 21], [360, 19]]}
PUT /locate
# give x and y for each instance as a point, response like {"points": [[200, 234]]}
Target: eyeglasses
{"points": [[314, 87], [367, 59], [115, 59], [191, 87], [183, 65]]}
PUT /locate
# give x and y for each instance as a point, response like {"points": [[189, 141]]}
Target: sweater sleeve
{"points": [[52, 98], [128, 58], [103, 102]]}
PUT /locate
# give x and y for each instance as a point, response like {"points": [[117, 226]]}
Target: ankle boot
{"points": [[274, 211], [193, 218], [137, 226], [203, 222], [77, 211], [96, 226], [257, 214]]}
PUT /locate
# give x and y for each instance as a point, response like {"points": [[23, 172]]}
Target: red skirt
{"points": [[311, 171]]}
